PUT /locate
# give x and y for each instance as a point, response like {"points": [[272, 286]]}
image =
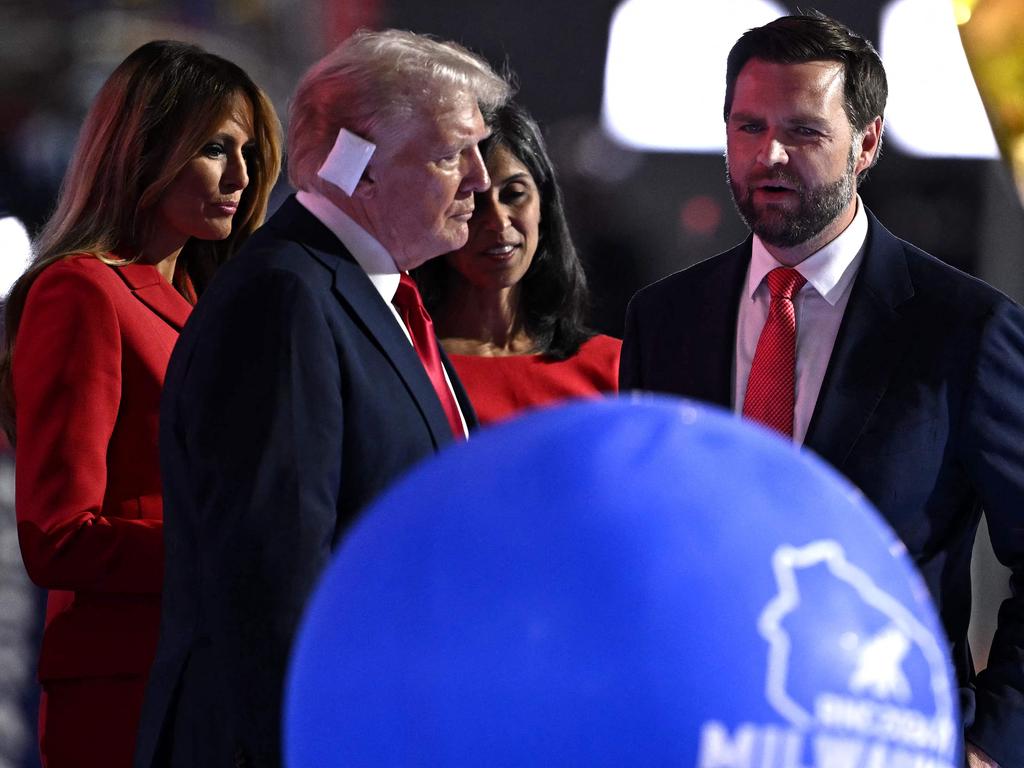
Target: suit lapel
{"points": [[354, 290], [690, 347], [870, 343], [149, 287], [717, 341]]}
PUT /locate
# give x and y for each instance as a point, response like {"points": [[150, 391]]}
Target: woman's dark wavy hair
{"points": [[553, 298]]}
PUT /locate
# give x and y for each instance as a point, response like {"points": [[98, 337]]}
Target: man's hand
{"points": [[976, 758]]}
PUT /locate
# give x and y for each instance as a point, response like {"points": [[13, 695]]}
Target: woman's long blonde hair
{"points": [[151, 117]]}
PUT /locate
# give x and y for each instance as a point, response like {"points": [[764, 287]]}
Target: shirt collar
{"points": [[830, 270], [373, 257]]}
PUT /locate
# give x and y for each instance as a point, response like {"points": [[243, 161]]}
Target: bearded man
{"points": [[903, 373]]}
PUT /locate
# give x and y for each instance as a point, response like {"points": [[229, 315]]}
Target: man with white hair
{"points": [[307, 380]]}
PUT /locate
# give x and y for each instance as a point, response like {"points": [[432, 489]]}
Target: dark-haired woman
{"points": [[174, 167], [509, 306]]}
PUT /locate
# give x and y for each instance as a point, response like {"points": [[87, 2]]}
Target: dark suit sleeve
{"points": [[993, 444], [266, 450], [629, 361]]}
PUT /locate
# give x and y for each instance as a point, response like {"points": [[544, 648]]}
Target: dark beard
{"points": [[818, 208]]}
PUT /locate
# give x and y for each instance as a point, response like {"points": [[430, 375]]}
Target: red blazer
{"points": [[88, 367]]}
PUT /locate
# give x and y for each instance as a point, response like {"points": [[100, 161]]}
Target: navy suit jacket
{"points": [[292, 399], [921, 407]]}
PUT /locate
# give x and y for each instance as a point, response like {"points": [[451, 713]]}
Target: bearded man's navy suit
{"points": [[921, 407], [292, 399]]}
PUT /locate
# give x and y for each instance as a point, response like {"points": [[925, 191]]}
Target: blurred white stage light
{"points": [[664, 81], [665, 76], [934, 107], [15, 252]]}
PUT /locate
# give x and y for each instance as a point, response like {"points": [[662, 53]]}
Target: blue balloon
{"points": [[620, 583]]}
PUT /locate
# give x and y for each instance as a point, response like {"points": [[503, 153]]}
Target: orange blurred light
{"points": [[993, 39]]}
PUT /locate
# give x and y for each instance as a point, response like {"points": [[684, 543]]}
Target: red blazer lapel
{"points": [[150, 287]]}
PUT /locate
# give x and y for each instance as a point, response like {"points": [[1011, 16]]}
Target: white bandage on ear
{"points": [[345, 164]]}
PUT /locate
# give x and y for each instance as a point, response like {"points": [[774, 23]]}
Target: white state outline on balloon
{"points": [[830, 552]]}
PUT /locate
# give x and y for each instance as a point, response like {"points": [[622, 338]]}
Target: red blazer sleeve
{"points": [[67, 376]]}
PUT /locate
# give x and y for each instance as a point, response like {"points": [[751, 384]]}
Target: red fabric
{"points": [[90, 723], [500, 387], [771, 388], [421, 328], [88, 366]]}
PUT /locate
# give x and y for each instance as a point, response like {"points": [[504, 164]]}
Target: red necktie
{"points": [[771, 388], [410, 306]]}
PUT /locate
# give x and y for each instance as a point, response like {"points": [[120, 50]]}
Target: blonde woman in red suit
{"points": [[509, 306], [174, 167]]}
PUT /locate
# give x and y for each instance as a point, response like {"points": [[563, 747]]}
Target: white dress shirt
{"points": [[373, 257], [819, 304]]}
